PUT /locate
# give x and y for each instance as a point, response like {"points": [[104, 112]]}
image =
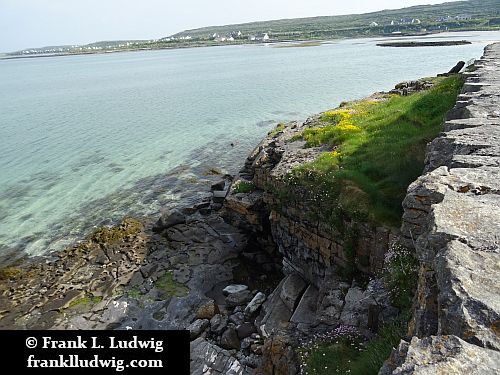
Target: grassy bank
{"points": [[377, 148]]}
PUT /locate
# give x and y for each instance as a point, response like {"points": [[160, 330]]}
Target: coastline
{"points": [[172, 273], [244, 43]]}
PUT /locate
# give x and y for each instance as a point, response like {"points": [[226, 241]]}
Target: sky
{"points": [[37, 23]]}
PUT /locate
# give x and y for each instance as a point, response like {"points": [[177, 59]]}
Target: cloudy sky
{"points": [[36, 23]]}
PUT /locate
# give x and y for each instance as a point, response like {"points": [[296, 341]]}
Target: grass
{"points": [[350, 355], [244, 187], [400, 274], [170, 287], [377, 150]]}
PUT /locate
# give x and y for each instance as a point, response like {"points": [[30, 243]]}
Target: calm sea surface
{"points": [[87, 140]]}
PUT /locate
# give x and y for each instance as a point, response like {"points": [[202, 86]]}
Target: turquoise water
{"points": [[86, 140]]}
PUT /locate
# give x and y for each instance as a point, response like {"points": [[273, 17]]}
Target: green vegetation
{"points": [[348, 354], [170, 287], [244, 187], [377, 150], [479, 14], [401, 274], [134, 293], [105, 235], [278, 129], [88, 300], [345, 351], [9, 273]]}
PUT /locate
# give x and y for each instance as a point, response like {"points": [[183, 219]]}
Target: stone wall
{"points": [[452, 220]]}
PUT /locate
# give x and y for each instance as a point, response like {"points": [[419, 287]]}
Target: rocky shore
{"points": [[254, 276]]}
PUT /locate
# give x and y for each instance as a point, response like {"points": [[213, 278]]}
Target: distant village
{"points": [[231, 37]]}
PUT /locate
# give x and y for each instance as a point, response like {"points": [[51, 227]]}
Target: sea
{"points": [[88, 140]]}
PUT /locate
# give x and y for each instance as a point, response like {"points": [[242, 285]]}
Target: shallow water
{"points": [[86, 140]]}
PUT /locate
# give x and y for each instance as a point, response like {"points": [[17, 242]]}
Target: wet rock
{"points": [[219, 196], [197, 328], [218, 186], [229, 339], [254, 304]]}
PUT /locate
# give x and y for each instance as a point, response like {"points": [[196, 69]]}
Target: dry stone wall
{"points": [[452, 220]]}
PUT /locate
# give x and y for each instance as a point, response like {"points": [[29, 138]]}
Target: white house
{"points": [[373, 24], [266, 37]]}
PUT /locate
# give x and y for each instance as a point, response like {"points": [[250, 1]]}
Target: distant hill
{"points": [[453, 15], [416, 20]]}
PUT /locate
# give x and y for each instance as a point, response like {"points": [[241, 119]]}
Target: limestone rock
{"points": [[245, 330], [207, 310], [292, 290], [207, 358], [218, 324], [197, 328], [229, 339], [234, 288], [441, 355], [238, 298], [169, 219], [254, 304]]}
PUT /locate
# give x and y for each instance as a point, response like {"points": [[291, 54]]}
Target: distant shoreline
{"points": [[284, 43], [425, 44]]}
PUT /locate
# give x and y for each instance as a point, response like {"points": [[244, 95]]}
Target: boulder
{"points": [[218, 186], [254, 304], [207, 358], [305, 313], [237, 318], [218, 324], [219, 196], [207, 310], [234, 288], [229, 339], [197, 328], [292, 290], [239, 298], [245, 330]]}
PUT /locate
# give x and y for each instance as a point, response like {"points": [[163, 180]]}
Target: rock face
{"points": [[452, 220], [307, 245], [441, 355]]}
